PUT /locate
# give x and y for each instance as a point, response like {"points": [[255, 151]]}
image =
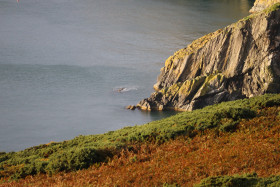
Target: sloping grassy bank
{"points": [[84, 151], [240, 180], [223, 157]]}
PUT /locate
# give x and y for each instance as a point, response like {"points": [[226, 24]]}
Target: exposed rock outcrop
{"points": [[260, 5], [241, 60], [131, 107]]}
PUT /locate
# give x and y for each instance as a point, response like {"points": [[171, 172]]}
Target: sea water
{"points": [[62, 61]]}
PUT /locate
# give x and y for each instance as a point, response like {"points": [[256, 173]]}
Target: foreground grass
{"points": [[84, 151], [241, 181], [253, 147]]}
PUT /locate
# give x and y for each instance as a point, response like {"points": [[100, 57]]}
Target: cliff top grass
{"points": [[83, 151], [259, 4], [272, 8], [268, 10]]}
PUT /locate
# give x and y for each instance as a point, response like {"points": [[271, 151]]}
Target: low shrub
{"points": [[83, 151], [247, 180], [185, 161], [73, 159]]}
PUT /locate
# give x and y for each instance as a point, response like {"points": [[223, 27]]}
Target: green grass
{"points": [[272, 8], [268, 10], [247, 180], [83, 151]]}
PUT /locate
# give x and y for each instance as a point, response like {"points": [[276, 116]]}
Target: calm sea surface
{"points": [[62, 60]]}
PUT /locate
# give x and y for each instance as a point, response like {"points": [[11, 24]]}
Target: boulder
{"points": [[131, 107]]}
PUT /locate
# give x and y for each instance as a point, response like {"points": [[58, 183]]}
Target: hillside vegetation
{"points": [[223, 139], [229, 144]]}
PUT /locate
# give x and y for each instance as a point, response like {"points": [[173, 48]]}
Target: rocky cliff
{"points": [[241, 60], [260, 5]]}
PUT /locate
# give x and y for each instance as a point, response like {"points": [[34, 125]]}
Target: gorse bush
{"points": [[221, 157], [75, 158], [83, 151], [247, 180]]}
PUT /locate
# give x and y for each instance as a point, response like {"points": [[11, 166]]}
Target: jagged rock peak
{"points": [[241, 60], [260, 5]]}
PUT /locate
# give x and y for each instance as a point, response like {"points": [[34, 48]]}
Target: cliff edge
{"points": [[260, 5], [242, 60]]}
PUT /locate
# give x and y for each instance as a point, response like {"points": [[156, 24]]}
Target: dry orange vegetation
{"points": [[254, 147]]}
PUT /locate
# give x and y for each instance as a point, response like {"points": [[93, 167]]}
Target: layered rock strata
{"points": [[241, 60]]}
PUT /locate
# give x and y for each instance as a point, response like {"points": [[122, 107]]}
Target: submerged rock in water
{"points": [[241, 60], [120, 89], [125, 89], [131, 107]]}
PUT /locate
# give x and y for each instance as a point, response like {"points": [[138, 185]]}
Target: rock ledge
{"points": [[241, 60]]}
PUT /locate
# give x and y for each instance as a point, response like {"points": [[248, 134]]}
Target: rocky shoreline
{"points": [[239, 61]]}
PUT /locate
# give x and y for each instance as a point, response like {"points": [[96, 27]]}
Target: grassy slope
{"points": [[253, 147], [83, 151]]}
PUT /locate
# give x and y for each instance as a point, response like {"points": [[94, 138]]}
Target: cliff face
{"points": [[260, 5], [241, 60]]}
